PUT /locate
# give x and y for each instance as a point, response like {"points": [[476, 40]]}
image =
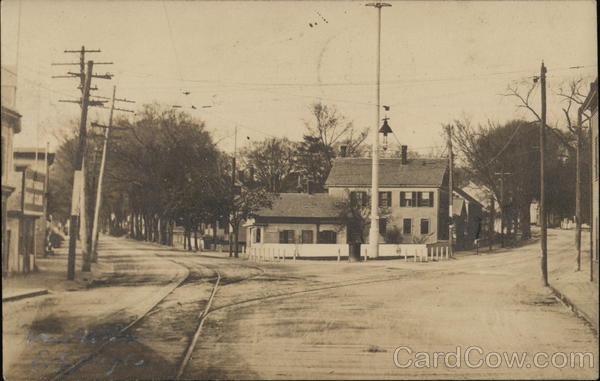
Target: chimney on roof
{"points": [[404, 155], [343, 150]]}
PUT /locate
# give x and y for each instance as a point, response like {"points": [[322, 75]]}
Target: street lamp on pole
{"points": [[374, 229]]}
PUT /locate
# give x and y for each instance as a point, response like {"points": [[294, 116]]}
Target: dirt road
{"points": [[302, 320]]}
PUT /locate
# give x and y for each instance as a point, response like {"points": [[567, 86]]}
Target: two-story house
{"points": [[413, 191]]}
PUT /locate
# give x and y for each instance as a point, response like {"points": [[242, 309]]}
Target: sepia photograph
{"points": [[299, 190]]}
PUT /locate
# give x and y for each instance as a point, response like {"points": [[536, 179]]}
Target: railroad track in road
{"points": [[190, 267]]}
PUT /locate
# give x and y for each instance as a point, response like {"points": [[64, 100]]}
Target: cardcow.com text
{"points": [[476, 357]]}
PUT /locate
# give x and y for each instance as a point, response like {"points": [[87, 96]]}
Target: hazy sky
{"points": [[260, 64]]}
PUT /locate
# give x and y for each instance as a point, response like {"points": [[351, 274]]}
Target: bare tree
{"points": [[573, 96]]}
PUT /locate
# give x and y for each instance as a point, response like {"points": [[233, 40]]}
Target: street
{"points": [[303, 319]]}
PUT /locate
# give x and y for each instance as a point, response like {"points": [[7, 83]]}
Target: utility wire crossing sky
{"points": [[259, 65]]}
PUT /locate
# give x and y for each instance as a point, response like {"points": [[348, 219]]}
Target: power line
{"points": [[172, 40]]}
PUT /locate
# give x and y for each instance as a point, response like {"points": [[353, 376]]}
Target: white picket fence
{"points": [[281, 252], [273, 252], [418, 252]]}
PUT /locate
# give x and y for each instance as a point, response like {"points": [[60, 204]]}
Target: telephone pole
{"points": [[502, 205], [578, 193], [95, 231], [543, 220], [78, 178], [77, 217], [449, 129], [232, 234], [374, 228], [491, 223]]}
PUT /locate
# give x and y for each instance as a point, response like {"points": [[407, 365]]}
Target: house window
{"points": [[286, 236], [407, 226], [307, 236], [358, 198], [424, 226], [425, 198], [257, 240], [408, 198], [327, 236], [382, 225], [385, 199]]}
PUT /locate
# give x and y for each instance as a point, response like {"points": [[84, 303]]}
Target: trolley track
{"points": [[220, 279], [193, 268]]}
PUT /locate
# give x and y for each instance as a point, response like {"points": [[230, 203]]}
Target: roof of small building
{"points": [[457, 206], [302, 205], [416, 172]]}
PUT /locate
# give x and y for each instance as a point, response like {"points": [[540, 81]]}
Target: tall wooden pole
{"points": [[502, 211], [95, 231], [578, 196], [78, 177], [543, 218], [592, 221], [450, 191], [374, 228], [491, 222]]}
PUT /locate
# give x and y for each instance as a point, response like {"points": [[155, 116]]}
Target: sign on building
{"points": [[33, 192]]}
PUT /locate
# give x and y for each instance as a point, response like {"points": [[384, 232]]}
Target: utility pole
{"points": [[95, 231], [591, 188], [374, 228], [78, 175], [78, 196], [491, 222], [578, 193], [543, 220], [449, 129], [232, 235], [502, 205]]}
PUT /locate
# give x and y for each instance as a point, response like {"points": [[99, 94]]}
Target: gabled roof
{"points": [[318, 205], [392, 173], [464, 195]]}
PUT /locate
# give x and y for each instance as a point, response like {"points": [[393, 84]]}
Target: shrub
{"points": [[394, 235]]}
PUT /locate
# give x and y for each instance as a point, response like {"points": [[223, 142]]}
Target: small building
{"points": [[34, 164], [468, 219], [298, 218]]}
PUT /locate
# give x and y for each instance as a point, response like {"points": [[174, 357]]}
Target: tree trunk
{"points": [[214, 227], [170, 238], [235, 229], [156, 237], [131, 229], [525, 221], [189, 240], [196, 237]]}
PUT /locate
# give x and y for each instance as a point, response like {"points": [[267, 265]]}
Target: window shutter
{"points": [[389, 197], [414, 198], [419, 198], [402, 198], [430, 198], [282, 237], [424, 226]]}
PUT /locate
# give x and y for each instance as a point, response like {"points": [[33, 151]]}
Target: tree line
{"points": [[164, 169]]}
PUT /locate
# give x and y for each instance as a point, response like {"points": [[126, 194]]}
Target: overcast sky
{"points": [[260, 64]]}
